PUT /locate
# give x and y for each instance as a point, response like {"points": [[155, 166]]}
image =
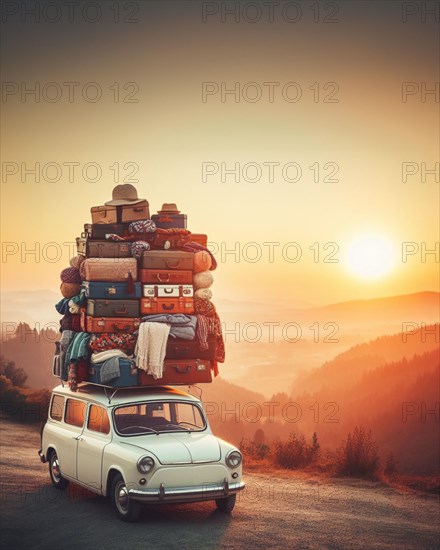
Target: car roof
{"points": [[119, 396]]}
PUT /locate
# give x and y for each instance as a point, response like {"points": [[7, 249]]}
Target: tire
{"points": [[125, 508], [58, 481], [226, 504]]}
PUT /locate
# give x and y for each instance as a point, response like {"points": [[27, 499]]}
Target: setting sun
{"points": [[370, 256]]}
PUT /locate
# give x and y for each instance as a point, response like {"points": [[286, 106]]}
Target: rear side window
{"points": [[75, 412], [98, 420], [56, 407]]}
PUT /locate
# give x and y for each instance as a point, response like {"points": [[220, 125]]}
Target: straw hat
{"points": [[124, 194]]}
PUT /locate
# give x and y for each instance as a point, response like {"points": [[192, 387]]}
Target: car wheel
{"points": [[125, 508], [226, 505], [58, 481]]}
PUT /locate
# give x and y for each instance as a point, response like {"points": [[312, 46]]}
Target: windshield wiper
{"points": [[179, 427], [135, 427]]}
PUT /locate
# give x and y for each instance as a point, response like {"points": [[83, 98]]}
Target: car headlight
{"points": [[233, 459], [145, 464]]}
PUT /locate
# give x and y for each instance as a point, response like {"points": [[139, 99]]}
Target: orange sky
{"points": [[170, 133]]}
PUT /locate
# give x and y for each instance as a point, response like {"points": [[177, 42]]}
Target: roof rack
{"points": [[110, 391]]}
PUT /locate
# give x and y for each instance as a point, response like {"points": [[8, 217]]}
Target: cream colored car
{"points": [[139, 445]]}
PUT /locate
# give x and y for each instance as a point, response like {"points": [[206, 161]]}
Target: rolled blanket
{"points": [[70, 275], [137, 247], [74, 308], [68, 290], [203, 293], [203, 280], [62, 306], [76, 261], [142, 226], [191, 246]]}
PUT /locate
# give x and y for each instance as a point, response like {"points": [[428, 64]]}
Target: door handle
{"points": [[78, 438]]}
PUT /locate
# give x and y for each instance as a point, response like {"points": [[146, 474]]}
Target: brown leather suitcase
{"points": [[104, 214], [151, 306], [109, 324], [108, 269], [133, 212], [113, 308], [166, 276], [100, 230], [178, 348], [120, 214], [167, 259], [107, 249], [179, 373]]}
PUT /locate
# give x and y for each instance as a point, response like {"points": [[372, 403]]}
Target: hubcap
{"points": [[122, 497], [55, 468]]}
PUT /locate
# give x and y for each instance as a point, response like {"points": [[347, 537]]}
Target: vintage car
{"points": [[138, 445]]}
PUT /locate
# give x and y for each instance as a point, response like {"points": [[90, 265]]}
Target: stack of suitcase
{"points": [[119, 290]]}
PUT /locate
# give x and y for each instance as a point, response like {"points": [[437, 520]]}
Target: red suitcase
{"points": [[151, 306], [178, 348], [103, 248], [167, 259], [165, 276], [109, 324], [169, 220], [179, 373]]}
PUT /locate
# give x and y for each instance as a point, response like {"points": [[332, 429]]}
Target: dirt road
{"points": [[273, 512]]}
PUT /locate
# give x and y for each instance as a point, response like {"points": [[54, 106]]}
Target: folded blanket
{"points": [[182, 326], [78, 347], [100, 356], [110, 370]]}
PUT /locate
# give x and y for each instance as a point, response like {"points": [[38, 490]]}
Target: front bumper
{"points": [[187, 494]]}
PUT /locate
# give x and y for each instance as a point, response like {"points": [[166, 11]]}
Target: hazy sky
{"points": [[328, 123]]}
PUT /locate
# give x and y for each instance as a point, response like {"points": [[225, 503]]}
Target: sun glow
{"points": [[370, 256]]}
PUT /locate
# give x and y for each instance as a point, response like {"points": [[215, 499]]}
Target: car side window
{"points": [[75, 412], [98, 420], [56, 407]]}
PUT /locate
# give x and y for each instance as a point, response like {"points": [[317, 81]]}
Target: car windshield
{"points": [[158, 417]]}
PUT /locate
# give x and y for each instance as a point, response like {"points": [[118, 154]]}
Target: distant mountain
{"points": [[35, 307], [348, 367], [398, 401], [265, 365], [418, 307]]}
